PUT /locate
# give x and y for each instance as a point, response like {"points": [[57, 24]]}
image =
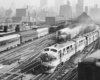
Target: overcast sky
{"points": [[21, 3]]}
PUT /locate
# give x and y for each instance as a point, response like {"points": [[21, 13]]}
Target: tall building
{"points": [[79, 7], [2, 12], [43, 3], [73, 8], [13, 8], [66, 10], [86, 9], [58, 3], [21, 15], [95, 13], [22, 12], [8, 12]]}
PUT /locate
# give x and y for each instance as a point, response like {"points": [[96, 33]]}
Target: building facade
{"points": [[79, 7], [66, 10]]}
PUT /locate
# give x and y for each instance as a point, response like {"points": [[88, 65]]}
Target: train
{"points": [[24, 35], [73, 31], [8, 41], [89, 68], [55, 55]]}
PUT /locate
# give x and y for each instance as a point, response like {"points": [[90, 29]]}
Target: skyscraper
{"points": [[8, 12], [43, 3], [95, 13], [66, 10], [58, 3], [86, 9], [79, 7], [13, 8]]}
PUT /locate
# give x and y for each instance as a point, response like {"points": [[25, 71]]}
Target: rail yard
{"points": [[37, 54]]}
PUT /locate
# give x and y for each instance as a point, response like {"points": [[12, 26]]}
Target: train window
{"points": [[60, 51], [2, 43], [54, 50], [67, 47], [12, 40], [47, 49], [63, 49], [71, 46]]}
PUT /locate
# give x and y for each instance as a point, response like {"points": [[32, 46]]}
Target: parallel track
{"points": [[17, 69], [22, 49], [65, 72]]}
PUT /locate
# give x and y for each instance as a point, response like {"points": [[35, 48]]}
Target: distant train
{"points": [[10, 40], [89, 68], [57, 54], [74, 31], [21, 37]]}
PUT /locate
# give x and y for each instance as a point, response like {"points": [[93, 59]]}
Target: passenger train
{"points": [[57, 54], [73, 31], [24, 35], [8, 41]]}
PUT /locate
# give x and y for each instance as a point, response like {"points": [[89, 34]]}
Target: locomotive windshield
{"points": [[47, 49], [47, 58], [54, 50]]}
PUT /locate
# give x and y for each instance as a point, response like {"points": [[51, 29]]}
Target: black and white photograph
{"points": [[49, 39]]}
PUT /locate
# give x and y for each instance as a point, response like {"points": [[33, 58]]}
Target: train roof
{"points": [[45, 28], [9, 37], [79, 38], [59, 46], [3, 33], [65, 29]]}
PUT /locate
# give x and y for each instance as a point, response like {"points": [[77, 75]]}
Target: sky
{"points": [[21, 3]]}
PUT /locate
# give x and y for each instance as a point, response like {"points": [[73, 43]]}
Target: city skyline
{"points": [[36, 3]]}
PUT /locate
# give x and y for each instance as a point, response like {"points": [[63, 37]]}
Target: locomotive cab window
{"points": [[60, 52], [64, 50], [47, 49], [69, 49], [54, 50]]}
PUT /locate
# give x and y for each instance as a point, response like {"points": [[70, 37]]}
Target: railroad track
{"points": [[73, 73], [69, 70], [17, 69], [23, 54], [23, 49], [55, 76]]}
